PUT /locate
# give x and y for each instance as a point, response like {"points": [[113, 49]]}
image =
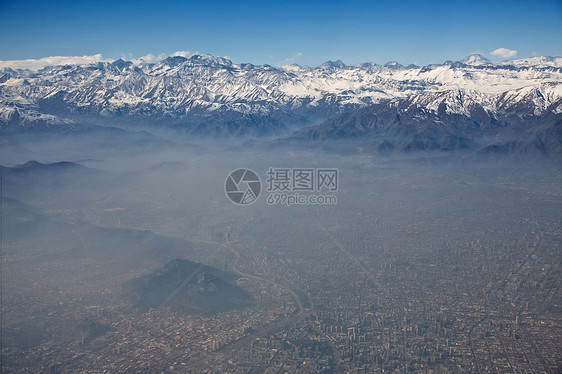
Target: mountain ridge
{"points": [[203, 90]]}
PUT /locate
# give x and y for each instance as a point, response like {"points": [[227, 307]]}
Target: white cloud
{"points": [[36, 64], [293, 58], [504, 52], [185, 54]]}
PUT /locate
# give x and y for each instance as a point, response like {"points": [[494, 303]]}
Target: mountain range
{"points": [[462, 104]]}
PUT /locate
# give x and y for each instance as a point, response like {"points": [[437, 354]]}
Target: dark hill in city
{"points": [[186, 286]]}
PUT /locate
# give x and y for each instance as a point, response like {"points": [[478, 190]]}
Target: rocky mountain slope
{"points": [[517, 121]]}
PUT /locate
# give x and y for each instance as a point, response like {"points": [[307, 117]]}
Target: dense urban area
{"points": [[458, 275]]}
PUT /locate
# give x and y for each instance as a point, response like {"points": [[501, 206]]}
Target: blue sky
{"points": [[280, 32]]}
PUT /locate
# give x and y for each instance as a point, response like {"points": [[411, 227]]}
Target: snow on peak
{"points": [[537, 61], [476, 59], [211, 60], [393, 65], [338, 64]]}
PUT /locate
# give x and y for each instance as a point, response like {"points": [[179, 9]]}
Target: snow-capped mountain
{"points": [[207, 93]]}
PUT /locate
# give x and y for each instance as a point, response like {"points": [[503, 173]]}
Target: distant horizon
{"points": [[39, 63]]}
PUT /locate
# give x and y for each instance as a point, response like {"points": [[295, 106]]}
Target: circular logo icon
{"points": [[242, 186]]}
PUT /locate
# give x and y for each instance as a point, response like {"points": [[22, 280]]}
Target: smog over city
{"points": [[288, 201]]}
